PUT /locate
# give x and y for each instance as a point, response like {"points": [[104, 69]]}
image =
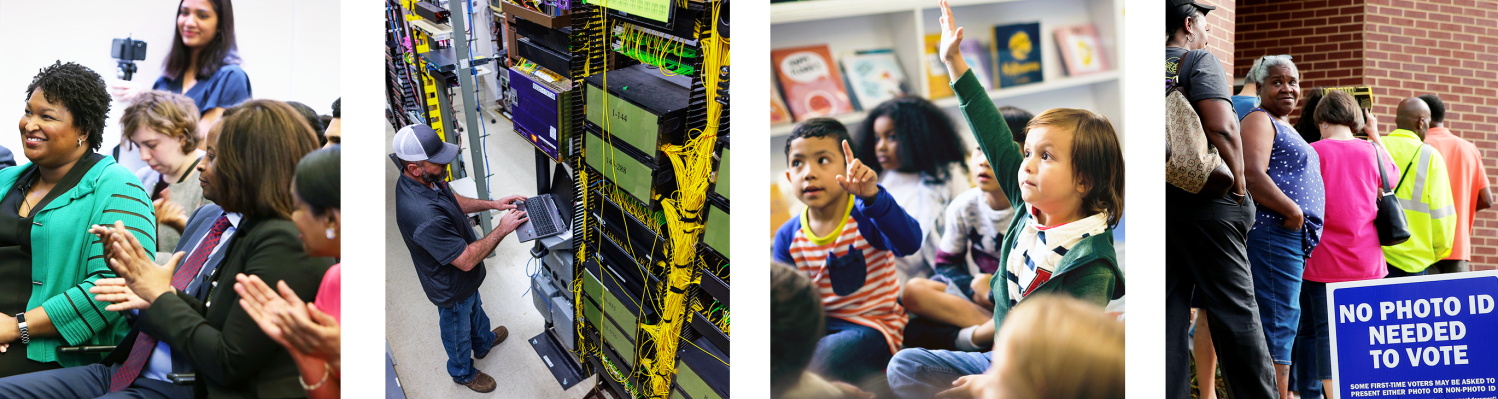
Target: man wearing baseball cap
{"points": [[447, 253]]}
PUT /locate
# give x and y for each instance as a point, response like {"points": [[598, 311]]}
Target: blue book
{"points": [[1018, 50]]}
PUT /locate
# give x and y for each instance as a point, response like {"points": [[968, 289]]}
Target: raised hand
{"points": [[859, 180], [951, 36], [118, 294]]}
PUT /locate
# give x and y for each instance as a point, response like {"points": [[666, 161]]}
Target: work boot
{"points": [[483, 383], [499, 336]]}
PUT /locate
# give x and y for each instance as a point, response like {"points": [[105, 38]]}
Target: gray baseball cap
{"points": [[420, 143]]}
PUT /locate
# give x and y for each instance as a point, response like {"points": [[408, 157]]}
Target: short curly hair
{"points": [[170, 114], [81, 91]]}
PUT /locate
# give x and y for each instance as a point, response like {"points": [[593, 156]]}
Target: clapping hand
{"points": [[298, 326], [131, 262], [859, 180], [118, 294]]}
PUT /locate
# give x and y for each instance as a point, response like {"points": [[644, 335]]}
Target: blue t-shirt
{"points": [[1244, 104], [226, 88], [1296, 170], [436, 231]]}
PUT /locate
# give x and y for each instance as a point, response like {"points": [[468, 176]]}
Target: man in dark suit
{"points": [[188, 318]]}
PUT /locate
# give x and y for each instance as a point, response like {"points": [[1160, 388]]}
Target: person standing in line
{"points": [[1349, 249], [1469, 185], [1206, 237], [1424, 189], [1284, 176]]}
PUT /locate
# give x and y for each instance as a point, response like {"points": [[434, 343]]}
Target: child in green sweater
{"points": [[1067, 181]]}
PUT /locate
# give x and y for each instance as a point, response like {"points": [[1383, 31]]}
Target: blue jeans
{"points": [[1277, 258], [922, 373], [465, 331], [849, 352], [1313, 297], [1303, 373]]}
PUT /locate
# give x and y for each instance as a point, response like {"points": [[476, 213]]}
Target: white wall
{"points": [[289, 49]]}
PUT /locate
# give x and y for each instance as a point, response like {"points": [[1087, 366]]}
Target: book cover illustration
{"points": [[778, 113], [1018, 50], [977, 57], [813, 87], [938, 84], [1081, 50], [874, 76]]}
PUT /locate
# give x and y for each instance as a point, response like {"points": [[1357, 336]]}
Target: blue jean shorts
{"points": [[1277, 259]]}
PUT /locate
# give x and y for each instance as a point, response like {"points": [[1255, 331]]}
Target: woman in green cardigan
{"points": [[48, 261]]}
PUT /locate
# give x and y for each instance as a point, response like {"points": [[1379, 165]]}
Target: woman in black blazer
{"points": [[251, 157]]}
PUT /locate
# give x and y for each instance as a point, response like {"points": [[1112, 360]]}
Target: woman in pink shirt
{"points": [[1349, 247], [310, 331]]}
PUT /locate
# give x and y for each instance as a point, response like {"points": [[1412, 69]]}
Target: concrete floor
{"points": [[411, 320]]}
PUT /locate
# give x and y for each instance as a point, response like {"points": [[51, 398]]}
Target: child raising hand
{"points": [[845, 242], [1067, 180]]}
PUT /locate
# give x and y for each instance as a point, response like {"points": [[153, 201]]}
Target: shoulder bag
{"points": [[1192, 163]]}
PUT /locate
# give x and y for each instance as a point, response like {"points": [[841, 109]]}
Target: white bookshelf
{"points": [[902, 25], [850, 25]]}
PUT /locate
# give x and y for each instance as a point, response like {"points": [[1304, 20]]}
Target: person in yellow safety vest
{"points": [[1424, 190]]}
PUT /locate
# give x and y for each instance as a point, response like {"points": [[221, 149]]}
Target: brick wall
{"points": [[1220, 26], [1402, 49], [1324, 37]]}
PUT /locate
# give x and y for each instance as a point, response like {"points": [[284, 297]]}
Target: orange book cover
{"points": [[813, 87], [939, 84], [778, 113]]}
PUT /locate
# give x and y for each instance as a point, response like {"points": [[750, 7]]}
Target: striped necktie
{"points": [[145, 344]]}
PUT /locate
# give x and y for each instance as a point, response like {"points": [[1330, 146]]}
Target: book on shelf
{"points": [[979, 61], [778, 113], [1018, 49], [874, 76], [1081, 50], [938, 85], [812, 85]]}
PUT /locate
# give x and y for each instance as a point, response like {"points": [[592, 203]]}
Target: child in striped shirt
{"points": [[846, 242]]}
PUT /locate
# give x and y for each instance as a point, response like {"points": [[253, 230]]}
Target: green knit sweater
{"points": [[1089, 270], [66, 260]]}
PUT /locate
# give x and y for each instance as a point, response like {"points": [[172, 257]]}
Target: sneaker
{"points": [[499, 336], [483, 383]]}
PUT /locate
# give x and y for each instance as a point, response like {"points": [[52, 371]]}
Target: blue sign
{"points": [[1415, 337]]}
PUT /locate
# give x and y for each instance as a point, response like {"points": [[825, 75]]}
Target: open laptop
{"points": [[549, 214]]}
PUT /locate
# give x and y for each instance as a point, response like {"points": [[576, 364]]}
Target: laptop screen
{"points": [[562, 192]]}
